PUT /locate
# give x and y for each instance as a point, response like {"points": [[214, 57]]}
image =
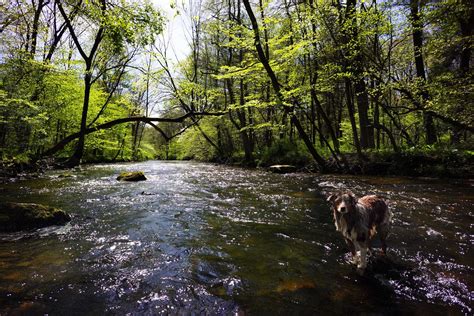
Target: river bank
{"points": [[449, 164], [441, 164]]}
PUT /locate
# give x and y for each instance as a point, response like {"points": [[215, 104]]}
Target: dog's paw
{"points": [[355, 259]]}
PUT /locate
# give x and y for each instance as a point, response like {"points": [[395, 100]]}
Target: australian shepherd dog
{"points": [[359, 220]]}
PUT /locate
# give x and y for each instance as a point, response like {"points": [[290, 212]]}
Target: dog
{"points": [[359, 220]]}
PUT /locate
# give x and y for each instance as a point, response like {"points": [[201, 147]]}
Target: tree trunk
{"points": [[88, 59], [350, 108], [466, 24], [79, 151], [417, 25], [366, 128], [135, 145], [246, 135], [360, 89], [35, 26], [323, 115], [376, 123]]}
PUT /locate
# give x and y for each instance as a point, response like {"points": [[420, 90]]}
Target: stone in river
{"points": [[23, 216], [132, 176], [282, 168]]}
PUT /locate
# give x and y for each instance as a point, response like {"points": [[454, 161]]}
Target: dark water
{"points": [[207, 239]]}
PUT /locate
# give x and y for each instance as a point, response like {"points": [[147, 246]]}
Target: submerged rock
{"points": [[282, 168], [22, 216], [132, 176], [295, 285]]}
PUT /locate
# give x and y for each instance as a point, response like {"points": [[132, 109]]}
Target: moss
{"points": [[22, 216]]}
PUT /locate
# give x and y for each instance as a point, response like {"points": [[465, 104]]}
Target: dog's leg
{"points": [[363, 257], [352, 249], [351, 246], [383, 233], [369, 248], [384, 245], [363, 242]]}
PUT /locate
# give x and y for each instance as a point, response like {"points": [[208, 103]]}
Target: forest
{"points": [[352, 86]]}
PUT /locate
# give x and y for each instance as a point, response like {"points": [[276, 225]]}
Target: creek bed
{"points": [[211, 239]]}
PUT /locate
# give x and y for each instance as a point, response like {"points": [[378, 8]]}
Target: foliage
{"points": [[284, 151], [348, 79], [192, 144], [44, 99], [322, 52], [45, 105]]}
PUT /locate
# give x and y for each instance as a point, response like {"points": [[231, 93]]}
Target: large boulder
{"points": [[282, 168], [132, 176], [23, 216]]}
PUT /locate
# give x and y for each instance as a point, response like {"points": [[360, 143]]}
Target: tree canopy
{"points": [[265, 81]]}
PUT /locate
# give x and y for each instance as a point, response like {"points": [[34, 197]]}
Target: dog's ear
{"points": [[353, 197], [331, 198]]}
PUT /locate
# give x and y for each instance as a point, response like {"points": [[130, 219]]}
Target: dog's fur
{"points": [[359, 220]]}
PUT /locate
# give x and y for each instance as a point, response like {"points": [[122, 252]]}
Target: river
{"points": [[201, 238]]}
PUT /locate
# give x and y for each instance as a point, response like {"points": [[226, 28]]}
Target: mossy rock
{"points": [[132, 176], [24, 216], [282, 168]]}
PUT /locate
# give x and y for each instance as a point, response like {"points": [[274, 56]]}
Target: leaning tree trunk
{"points": [[276, 86]]}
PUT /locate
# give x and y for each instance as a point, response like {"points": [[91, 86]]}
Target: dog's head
{"points": [[343, 202]]}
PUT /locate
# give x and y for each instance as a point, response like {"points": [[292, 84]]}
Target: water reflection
{"points": [[218, 240]]}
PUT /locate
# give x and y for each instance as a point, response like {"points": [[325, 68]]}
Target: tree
{"points": [[417, 34], [119, 26]]}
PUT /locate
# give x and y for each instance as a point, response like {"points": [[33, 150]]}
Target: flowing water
{"points": [[207, 239]]}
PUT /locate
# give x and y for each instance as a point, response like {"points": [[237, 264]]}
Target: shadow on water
{"points": [[212, 239]]}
